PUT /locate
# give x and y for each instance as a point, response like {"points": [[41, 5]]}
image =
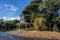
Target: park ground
{"points": [[36, 35]]}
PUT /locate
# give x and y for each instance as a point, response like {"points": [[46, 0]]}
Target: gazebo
{"points": [[24, 25]]}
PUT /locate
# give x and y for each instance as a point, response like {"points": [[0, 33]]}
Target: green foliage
{"points": [[56, 19], [6, 26], [1, 21], [15, 21], [42, 8], [40, 22], [55, 28], [10, 26]]}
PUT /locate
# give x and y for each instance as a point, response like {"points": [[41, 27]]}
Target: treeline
{"points": [[43, 15], [8, 25]]}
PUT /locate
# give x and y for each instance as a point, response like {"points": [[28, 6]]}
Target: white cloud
{"points": [[4, 17], [11, 7], [10, 18]]}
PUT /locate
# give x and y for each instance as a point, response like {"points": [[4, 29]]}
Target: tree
{"points": [[32, 8], [16, 21], [40, 23], [55, 28], [1, 20], [42, 8]]}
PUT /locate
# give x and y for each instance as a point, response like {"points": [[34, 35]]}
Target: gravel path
{"points": [[36, 35], [5, 36], [29, 35]]}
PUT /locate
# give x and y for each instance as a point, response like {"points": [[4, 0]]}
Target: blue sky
{"points": [[12, 8]]}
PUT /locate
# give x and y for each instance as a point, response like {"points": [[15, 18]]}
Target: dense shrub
{"points": [[6, 26], [40, 23]]}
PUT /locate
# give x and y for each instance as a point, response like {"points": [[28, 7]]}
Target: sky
{"points": [[11, 9]]}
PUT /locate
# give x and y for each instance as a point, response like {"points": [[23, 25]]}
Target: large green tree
{"points": [[42, 8]]}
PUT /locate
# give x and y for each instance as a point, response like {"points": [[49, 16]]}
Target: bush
{"points": [[55, 28], [40, 23]]}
